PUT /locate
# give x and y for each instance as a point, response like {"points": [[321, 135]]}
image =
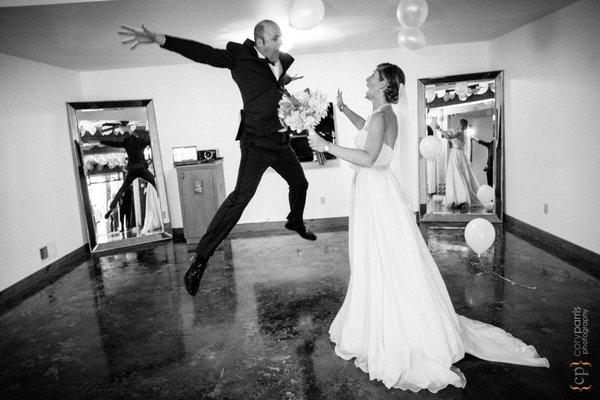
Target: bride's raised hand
{"points": [[340, 101], [138, 36]]}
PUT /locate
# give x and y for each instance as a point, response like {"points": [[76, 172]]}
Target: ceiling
{"points": [[82, 35]]}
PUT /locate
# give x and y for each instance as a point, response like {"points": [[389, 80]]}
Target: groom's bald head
{"points": [[264, 27], [267, 38]]}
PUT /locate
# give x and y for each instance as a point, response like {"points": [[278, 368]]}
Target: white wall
{"points": [[552, 83], [38, 190], [199, 105]]}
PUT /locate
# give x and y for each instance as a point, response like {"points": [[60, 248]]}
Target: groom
{"points": [[259, 70]]}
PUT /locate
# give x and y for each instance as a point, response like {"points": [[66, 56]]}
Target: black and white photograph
{"points": [[299, 199]]}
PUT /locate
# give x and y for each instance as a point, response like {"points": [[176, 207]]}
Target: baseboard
{"points": [[582, 258], [268, 228], [277, 227], [35, 282]]}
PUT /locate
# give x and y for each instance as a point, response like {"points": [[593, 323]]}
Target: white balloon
{"points": [[485, 194], [461, 88], [306, 14], [411, 38], [480, 235], [430, 147], [412, 13]]}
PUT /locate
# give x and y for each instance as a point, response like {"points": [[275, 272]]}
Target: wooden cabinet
{"points": [[201, 192]]}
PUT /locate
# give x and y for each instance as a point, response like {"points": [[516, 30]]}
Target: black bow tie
{"points": [[269, 61]]}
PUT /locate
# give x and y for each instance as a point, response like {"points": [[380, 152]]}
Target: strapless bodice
{"points": [[457, 144], [385, 155]]}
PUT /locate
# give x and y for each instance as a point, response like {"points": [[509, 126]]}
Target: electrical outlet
{"points": [[322, 200], [48, 251], [545, 208], [43, 253]]}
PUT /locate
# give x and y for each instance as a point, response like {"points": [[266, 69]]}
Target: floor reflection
{"points": [[122, 326], [137, 308]]}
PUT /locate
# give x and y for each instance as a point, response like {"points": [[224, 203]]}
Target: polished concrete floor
{"points": [[123, 327]]}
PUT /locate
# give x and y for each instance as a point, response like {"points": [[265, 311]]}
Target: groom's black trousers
{"points": [[253, 164], [133, 173]]}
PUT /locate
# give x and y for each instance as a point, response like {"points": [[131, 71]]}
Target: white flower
{"points": [[311, 110]]}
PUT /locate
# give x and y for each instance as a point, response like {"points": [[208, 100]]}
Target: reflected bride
{"points": [[461, 184], [471, 153]]}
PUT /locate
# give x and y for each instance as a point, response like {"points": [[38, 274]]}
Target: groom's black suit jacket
{"points": [[260, 90]]}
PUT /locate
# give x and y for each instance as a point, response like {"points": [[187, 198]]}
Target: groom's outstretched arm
{"points": [[195, 51], [199, 52]]}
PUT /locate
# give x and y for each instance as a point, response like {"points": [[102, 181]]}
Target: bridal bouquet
{"points": [[303, 111]]}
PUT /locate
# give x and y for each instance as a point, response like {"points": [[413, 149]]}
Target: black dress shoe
{"points": [[192, 278], [301, 230]]}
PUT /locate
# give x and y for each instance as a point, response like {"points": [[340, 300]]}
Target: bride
{"points": [[461, 184], [397, 319]]}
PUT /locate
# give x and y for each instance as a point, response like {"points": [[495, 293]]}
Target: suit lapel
{"points": [[286, 60], [253, 55]]}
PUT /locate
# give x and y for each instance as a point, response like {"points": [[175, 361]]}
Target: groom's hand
{"points": [[140, 36], [289, 79]]}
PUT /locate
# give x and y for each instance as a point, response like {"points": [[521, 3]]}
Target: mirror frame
{"points": [[86, 211], [499, 188]]}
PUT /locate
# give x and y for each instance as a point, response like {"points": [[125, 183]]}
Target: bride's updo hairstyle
{"points": [[394, 77]]}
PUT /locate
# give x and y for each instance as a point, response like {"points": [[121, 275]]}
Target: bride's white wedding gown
{"points": [[461, 183], [397, 319]]}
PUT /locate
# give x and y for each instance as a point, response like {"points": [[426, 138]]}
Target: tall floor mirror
{"points": [[117, 157], [465, 178]]}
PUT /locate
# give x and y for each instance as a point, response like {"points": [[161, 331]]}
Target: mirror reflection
{"points": [[459, 143], [118, 175]]}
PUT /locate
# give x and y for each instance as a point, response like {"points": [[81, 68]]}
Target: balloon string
{"points": [[501, 277]]}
